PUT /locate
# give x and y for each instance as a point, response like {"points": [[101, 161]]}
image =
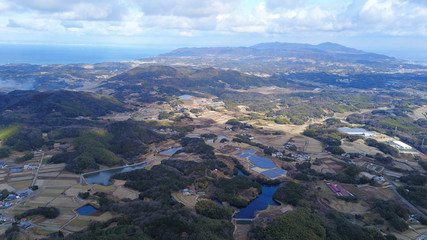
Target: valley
{"points": [[196, 147]]}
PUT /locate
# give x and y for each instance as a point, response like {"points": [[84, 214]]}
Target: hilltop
{"points": [[34, 106]]}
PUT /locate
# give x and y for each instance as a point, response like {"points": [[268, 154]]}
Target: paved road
{"points": [[38, 169], [422, 237], [404, 200]]}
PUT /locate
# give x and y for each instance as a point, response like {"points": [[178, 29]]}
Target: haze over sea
{"points": [[67, 54]]}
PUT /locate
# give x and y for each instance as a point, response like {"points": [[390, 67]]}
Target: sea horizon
{"points": [[71, 54]]}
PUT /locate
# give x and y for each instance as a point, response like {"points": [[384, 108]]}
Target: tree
{"points": [[212, 210], [291, 193], [299, 224], [352, 170]]}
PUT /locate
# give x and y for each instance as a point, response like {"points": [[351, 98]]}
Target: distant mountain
{"points": [[279, 57], [325, 51]]}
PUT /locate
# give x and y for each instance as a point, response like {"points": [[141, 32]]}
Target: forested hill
{"points": [[34, 104], [150, 76]]}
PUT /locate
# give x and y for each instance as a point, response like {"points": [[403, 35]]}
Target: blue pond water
{"points": [[241, 173], [215, 201], [86, 210], [103, 177], [185, 97], [260, 203]]}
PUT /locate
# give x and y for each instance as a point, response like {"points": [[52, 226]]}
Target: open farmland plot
{"points": [[218, 117], [77, 225], [313, 146], [76, 189], [101, 218], [328, 197], [124, 192], [369, 192], [55, 182], [58, 222], [106, 189], [3, 176], [7, 187], [300, 142], [276, 141], [419, 113], [21, 184], [359, 146], [50, 170], [189, 201], [21, 177], [52, 192], [327, 165], [323, 168], [47, 195], [410, 234]]}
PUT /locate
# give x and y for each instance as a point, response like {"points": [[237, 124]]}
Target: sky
{"points": [[393, 27]]}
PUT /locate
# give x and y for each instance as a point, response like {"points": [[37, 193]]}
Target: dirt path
{"points": [[419, 113]]}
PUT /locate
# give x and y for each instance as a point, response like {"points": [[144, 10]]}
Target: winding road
{"points": [[404, 200]]}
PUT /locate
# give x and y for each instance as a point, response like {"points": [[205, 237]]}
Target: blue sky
{"points": [[393, 27]]}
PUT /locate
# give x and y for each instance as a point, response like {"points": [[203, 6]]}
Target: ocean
{"points": [[68, 54]]}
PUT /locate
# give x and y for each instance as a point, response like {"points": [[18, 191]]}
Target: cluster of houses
{"points": [[301, 157], [30, 167], [3, 164], [372, 167], [187, 192], [7, 202]]}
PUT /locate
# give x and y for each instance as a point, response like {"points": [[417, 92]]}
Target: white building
{"points": [[356, 131], [400, 145]]}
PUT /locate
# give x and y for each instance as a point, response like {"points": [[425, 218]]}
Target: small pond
{"points": [[217, 202], [103, 177], [185, 97], [260, 203], [87, 210], [241, 173]]}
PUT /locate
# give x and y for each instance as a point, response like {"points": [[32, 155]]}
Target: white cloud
{"points": [[4, 5], [72, 24], [74, 9], [175, 18], [290, 4], [33, 24], [394, 17], [187, 8], [186, 33]]}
